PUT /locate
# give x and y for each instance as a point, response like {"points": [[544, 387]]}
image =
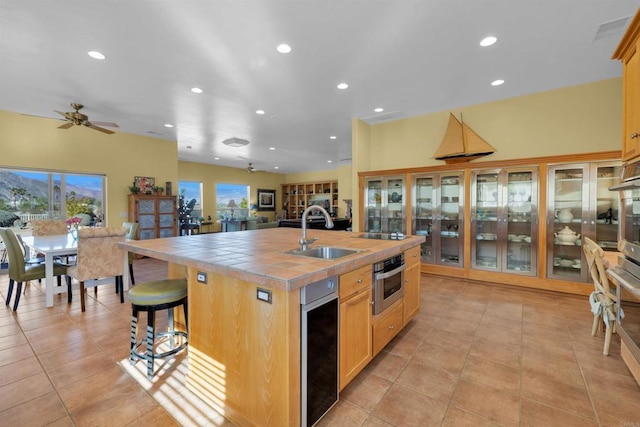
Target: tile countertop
{"points": [[258, 256]]}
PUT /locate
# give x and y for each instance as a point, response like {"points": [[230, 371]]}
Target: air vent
{"points": [[611, 28], [235, 142], [379, 118]]}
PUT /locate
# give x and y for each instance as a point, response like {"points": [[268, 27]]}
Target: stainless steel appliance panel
{"points": [[388, 282]]}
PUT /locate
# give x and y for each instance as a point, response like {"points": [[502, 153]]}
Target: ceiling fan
{"points": [[251, 169], [76, 118]]}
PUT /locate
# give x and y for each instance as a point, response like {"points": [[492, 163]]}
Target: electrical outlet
{"points": [[201, 277], [264, 295]]}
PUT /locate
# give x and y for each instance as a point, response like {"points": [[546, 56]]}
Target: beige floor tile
{"points": [[365, 391], [492, 374], [14, 354], [19, 370], [458, 418], [487, 402], [373, 421], [24, 390], [403, 407], [79, 369], [431, 381], [535, 414], [386, 365], [39, 411], [344, 414]]}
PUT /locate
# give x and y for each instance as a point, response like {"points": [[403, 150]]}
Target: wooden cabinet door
{"points": [[411, 293], [355, 335], [631, 110]]}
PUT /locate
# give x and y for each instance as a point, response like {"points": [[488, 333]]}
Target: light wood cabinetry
{"points": [[387, 325], [297, 197], [157, 216], [355, 323], [627, 53], [411, 298]]}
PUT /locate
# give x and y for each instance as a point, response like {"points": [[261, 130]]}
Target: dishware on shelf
{"points": [[566, 262], [567, 236], [564, 215]]}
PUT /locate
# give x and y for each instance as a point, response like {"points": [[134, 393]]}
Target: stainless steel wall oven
{"points": [[388, 279]]}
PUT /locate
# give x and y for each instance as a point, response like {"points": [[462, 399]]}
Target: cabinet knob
{"points": [[359, 281], [634, 135], [391, 327]]}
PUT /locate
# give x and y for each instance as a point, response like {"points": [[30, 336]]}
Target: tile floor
{"points": [[476, 355]]}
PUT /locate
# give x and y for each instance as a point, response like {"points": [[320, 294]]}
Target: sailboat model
{"points": [[461, 144]]}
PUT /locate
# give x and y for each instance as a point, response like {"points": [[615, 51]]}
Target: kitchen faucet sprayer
{"points": [[304, 241]]}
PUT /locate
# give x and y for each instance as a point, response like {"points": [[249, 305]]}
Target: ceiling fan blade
{"points": [[65, 126], [113, 125], [99, 129], [61, 113]]}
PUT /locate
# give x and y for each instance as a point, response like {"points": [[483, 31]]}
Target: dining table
{"points": [[56, 245]]}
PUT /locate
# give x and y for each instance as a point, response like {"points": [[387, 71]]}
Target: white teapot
{"points": [[567, 235], [564, 215]]}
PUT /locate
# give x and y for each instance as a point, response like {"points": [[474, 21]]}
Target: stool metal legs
{"points": [[149, 354]]}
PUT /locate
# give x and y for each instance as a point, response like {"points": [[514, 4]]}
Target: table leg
{"points": [[125, 275], [48, 279]]}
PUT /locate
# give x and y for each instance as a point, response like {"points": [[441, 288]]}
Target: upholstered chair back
{"points": [[14, 253], [98, 253], [47, 227], [132, 228]]}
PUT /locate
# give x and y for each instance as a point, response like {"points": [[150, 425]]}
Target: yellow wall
{"points": [[210, 175], [577, 119], [37, 143]]}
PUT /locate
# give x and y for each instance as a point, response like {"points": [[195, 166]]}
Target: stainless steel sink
{"points": [[324, 252]]}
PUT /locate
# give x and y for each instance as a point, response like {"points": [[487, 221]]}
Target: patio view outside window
{"points": [[188, 191], [27, 195], [239, 193]]}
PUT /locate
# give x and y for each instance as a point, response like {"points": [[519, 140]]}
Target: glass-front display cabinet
{"points": [[438, 214], [580, 205], [384, 205], [504, 220]]}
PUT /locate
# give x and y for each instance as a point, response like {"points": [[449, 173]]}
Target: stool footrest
{"points": [[174, 350]]}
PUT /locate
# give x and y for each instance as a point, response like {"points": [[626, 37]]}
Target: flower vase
{"points": [[74, 233]]}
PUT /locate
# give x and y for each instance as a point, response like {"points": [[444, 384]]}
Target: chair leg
{"points": [[607, 338], [120, 284], [69, 294], [59, 280], [133, 280], [151, 316], [18, 294], [594, 328], [9, 291], [82, 292]]}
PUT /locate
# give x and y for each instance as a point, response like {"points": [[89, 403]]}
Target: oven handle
{"points": [[386, 275]]}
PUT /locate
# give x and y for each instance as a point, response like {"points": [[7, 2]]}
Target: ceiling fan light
{"points": [[235, 142]]}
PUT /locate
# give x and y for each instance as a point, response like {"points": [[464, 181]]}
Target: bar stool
{"points": [[150, 297]]}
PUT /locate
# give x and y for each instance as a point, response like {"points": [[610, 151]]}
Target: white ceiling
{"points": [[410, 57]]}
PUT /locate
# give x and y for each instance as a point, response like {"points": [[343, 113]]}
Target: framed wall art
{"points": [[266, 200], [145, 183]]}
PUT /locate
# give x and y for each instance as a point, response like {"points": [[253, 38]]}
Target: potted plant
{"points": [[158, 190], [134, 189]]}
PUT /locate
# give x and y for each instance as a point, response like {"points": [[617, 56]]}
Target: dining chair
{"points": [[99, 259], [132, 228], [603, 299], [48, 227], [20, 271]]}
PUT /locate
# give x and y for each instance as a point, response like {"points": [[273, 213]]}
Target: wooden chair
{"points": [[603, 299], [20, 272], [99, 258]]}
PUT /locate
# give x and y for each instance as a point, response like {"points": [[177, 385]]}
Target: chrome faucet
{"points": [[304, 241]]}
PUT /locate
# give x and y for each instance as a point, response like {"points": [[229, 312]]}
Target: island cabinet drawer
{"points": [[412, 256], [387, 326], [355, 281]]}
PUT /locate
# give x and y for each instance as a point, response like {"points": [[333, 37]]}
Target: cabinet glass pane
{"points": [[395, 218], [147, 206], [607, 207], [487, 202], [423, 215], [373, 207], [520, 232], [450, 220]]}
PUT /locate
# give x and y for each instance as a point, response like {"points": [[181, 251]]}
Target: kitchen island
{"points": [[244, 352]]}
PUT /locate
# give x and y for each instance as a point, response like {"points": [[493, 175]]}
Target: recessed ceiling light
{"points": [[272, 148], [196, 90], [497, 82], [329, 161], [488, 41], [378, 110], [259, 111], [342, 86], [189, 147], [216, 158], [283, 48], [168, 125], [96, 55], [276, 167], [333, 137]]}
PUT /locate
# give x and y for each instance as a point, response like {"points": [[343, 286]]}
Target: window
{"points": [[190, 191], [27, 195], [225, 194]]}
